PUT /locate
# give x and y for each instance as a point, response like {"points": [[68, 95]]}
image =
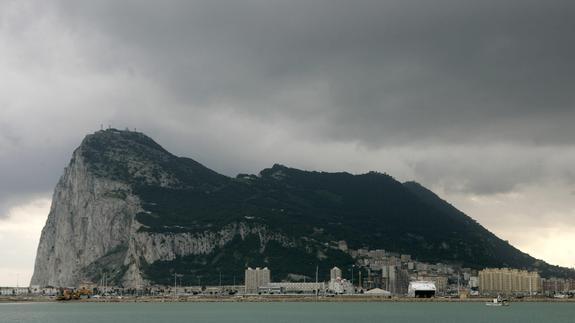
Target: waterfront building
{"points": [[473, 282], [14, 291], [421, 289], [270, 290], [340, 286], [255, 278], [7, 291], [297, 287], [334, 273], [508, 281], [440, 282], [22, 291], [35, 289], [551, 286], [373, 279], [394, 279]]}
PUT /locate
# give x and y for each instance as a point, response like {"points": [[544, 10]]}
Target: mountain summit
{"points": [[127, 208]]}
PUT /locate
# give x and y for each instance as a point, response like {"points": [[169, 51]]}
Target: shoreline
{"points": [[273, 299]]}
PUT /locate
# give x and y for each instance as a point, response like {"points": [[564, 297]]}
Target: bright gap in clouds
{"points": [[536, 219], [19, 236]]}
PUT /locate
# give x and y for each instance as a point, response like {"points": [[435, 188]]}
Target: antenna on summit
{"points": [[101, 126]]}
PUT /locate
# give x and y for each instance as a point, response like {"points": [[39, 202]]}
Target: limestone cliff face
{"points": [[89, 217], [149, 247], [92, 226]]}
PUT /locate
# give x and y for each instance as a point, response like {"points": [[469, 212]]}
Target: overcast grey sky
{"points": [[474, 99]]}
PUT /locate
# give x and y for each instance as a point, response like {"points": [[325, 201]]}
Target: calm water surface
{"points": [[284, 312]]}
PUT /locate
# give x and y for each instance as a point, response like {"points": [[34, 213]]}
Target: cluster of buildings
{"points": [[376, 272], [521, 282], [32, 290], [337, 284], [257, 281], [399, 274], [557, 286], [393, 272]]}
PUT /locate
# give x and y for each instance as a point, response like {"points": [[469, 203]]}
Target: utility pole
{"points": [[316, 284], [175, 284], [105, 283], [458, 286]]}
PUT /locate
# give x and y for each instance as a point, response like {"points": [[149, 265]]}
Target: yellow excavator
{"points": [[66, 294]]}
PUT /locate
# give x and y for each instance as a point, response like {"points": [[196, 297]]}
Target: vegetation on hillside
{"points": [[371, 210]]}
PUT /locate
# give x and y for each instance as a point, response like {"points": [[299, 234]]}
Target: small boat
{"points": [[498, 302]]}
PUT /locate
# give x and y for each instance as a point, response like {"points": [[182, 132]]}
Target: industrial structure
{"points": [[296, 287], [421, 289], [395, 279], [338, 285]]}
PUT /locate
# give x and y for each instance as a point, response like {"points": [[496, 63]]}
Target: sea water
{"points": [[285, 312]]}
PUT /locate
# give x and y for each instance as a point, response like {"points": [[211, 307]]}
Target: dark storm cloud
{"points": [[484, 171], [28, 175], [214, 80], [380, 72], [473, 99]]}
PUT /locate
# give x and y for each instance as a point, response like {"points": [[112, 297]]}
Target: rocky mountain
{"points": [[127, 208]]}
